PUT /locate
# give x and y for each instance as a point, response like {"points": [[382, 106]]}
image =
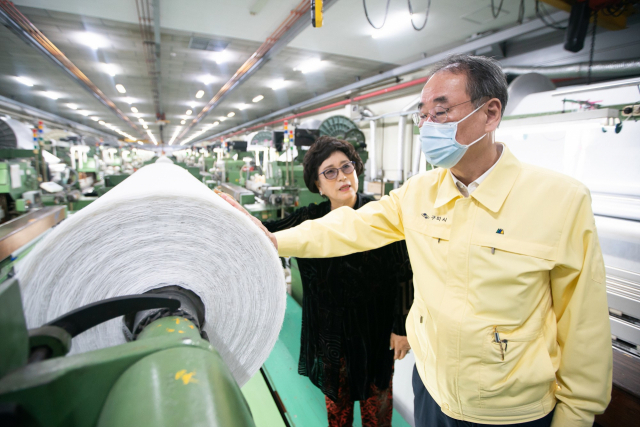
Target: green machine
{"points": [[18, 183], [169, 376]]}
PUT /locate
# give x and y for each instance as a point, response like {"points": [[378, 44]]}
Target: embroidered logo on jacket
{"points": [[434, 218], [500, 231]]}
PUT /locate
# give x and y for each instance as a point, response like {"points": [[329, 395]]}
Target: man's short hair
{"points": [[484, 77]]}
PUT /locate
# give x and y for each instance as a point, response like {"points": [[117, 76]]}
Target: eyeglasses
{"points": [[438, 114], [332, 173]]}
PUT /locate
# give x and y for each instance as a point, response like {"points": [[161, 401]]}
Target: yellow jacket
{"points": [[519, 257]]}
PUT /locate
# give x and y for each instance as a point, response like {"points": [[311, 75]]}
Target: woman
{"points": [[353, 307]]}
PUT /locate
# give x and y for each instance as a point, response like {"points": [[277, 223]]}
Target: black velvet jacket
{"points": [[350, 306]]}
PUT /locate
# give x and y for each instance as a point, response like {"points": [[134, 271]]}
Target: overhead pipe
{"points": [[328, 107], [472, 46], [23, 28], [287, 31], [599, 69]]}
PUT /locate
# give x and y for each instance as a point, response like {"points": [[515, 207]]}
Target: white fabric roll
{"points": [[162, 227]]}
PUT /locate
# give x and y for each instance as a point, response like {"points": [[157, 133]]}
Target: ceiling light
{"points": [[207, 79], [175, 135], [199, 94], [216, 123], [95, 118], [221, 57], [394, 25], [121, 88], [128, 100], [141, 120], [134, 109], [84, 113], [102, 122], [93, 40], [258, 98], [25, 81], [222, 119], [192, 105], [145, 126], [140, 142], [310, 66], [243, 107], [182, 122], [188, 113], [72, 106], [51, 95], [231, 114], [110, 69], [278, 84]]}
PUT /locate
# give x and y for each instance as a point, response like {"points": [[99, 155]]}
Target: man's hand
{"points": [[400, 345], [255, 220]]}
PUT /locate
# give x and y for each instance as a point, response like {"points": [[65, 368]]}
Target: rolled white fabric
{"points": [[161, 227]]}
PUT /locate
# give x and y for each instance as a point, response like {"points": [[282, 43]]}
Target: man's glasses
{"points": [[332, 173], [437, 115]]}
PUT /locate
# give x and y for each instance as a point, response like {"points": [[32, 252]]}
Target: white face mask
{"points": [[439, 143]]}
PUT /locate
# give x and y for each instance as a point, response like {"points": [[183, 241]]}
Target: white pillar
{"points": [[371, 147]]}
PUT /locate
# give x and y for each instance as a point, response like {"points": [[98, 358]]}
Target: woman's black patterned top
{"points": [[350, 306]]}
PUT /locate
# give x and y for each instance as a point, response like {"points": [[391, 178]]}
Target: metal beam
{"points": [[29, 111], [24, 29], [472, 46], [283, 40]]}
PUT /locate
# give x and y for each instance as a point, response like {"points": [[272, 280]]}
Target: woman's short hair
{"points": [[320, 151]]}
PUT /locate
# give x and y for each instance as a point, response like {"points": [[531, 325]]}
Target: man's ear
{"points": [[494, 114]]}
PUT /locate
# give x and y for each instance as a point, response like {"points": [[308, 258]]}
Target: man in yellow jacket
{"points": [[510, 322]]}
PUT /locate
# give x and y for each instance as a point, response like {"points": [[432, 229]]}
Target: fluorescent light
{"points": [[128, 100], [140, 142], [222, 119], [141, 120], [207, 79], [51, 95], [84, 113], [145, 126], [243, 107], [72, 106], [199, 94], [216, 123], [231, 114], [110, 69], [121, 88], [175, 135], [93, 40], [95, 118], [188, 113], [258, 98], [221, 57], [279, 84], [153, 138], [101, 122], [25, 81], [310, 66], [182, 122], [134, 109], [394, 25]]}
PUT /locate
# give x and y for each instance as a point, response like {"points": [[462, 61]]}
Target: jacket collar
{"points": [[492, 192]]}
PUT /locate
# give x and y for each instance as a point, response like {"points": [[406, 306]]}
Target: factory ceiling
{"points": [[102, 38]]}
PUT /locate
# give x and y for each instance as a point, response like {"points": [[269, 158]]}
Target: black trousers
{"points": [[427, 413]]}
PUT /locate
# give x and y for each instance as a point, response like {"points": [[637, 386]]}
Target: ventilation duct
{"points": [[598, 69], [524, 85], [14, 134]]}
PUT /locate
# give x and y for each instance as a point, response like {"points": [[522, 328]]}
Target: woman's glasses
{"points": [[332, 173]]}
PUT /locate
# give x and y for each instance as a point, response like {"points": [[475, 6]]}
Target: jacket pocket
{"points": [[421, 324], [517, 368]]}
